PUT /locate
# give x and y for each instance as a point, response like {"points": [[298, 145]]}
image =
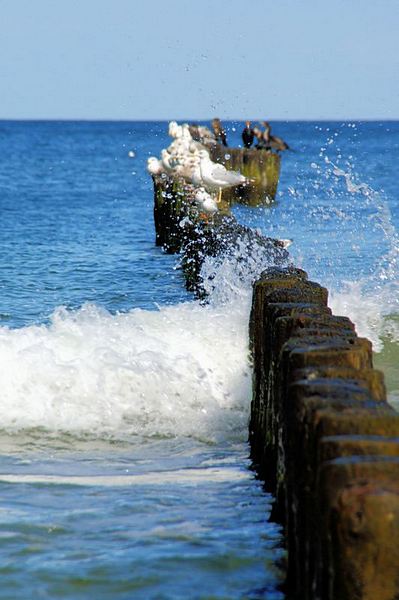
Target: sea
{"points": [[124, 401]]}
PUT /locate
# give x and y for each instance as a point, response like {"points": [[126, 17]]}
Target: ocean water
{"points": [[338, 200], [124, 468]]}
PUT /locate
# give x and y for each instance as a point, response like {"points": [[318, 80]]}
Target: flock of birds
{"points": [[265, 140], [260, 133], [188, 159]]}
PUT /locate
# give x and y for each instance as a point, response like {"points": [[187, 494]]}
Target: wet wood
{"points": [[262, 167], [326, 442]]}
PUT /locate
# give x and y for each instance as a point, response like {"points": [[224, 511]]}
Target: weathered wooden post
{"points": [[325, 437], [262, 167]]}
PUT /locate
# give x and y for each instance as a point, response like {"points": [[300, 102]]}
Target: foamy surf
{"points": [[181, 476], [371, 301], [179, 370], [374, 315]]}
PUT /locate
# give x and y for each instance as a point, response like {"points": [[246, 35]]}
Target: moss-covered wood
{"points": [[174, 208], [262, 167], [172, 204], [181, 228], [326, 441]]}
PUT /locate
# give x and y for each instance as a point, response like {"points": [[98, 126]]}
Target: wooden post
{"points": [[262, 167]]}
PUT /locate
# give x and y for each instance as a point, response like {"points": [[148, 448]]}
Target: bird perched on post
{"points": [[260, 142], [216, 177], [248, 134], [155, 166], [206, 204], [272, 141], [219, 132], [202, 134]]}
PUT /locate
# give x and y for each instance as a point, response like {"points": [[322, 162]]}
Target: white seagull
{"points": [[154, 166], [187, 168], [216, 177], [167, 160], [205, 202]]}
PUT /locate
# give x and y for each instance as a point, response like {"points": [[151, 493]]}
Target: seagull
{"points": [[187, 168], [260, 140], [247, 134], [217, 177], [174, 129], [206, 203], [167, 161], [196, 178], [194, 147], [179, 131], [202, 134], [155, 166]]}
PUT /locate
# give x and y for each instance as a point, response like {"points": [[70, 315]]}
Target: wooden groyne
{"points": [[180, 228], [325, 441], [323, 437], [262, 167], [171, 206]]}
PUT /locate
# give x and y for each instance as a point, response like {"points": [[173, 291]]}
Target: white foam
{"points": [[371, 302], [372, 314], [180, 476], [179, 370]]}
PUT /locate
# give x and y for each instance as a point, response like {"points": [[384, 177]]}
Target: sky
{"points": [[184, 59]]}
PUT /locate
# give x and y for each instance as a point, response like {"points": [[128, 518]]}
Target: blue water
{"points": [[77, 220], [124, 470]]}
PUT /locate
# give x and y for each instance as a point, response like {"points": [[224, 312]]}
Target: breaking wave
{"points": [[178, 370]]}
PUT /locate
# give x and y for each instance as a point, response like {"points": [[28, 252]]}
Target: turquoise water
{"points": [[124, 468]]}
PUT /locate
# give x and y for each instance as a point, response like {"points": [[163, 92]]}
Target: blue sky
{"points": [[132, 59]]}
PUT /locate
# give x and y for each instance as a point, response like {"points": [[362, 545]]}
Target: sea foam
{"points": [[179, 370]]}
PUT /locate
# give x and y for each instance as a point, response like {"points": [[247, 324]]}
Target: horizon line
{"points": [[186, 119]]}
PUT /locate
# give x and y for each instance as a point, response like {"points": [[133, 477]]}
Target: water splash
{"points": [[229, 277], [179, 370], [371, 300]]}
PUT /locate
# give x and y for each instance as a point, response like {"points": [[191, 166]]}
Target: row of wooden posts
{"points": [[323, 437], [326, 443]]}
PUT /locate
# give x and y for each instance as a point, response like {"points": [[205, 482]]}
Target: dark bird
{"points": [[219, 132], [260, 141], [272, 141], [247, 135]]}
